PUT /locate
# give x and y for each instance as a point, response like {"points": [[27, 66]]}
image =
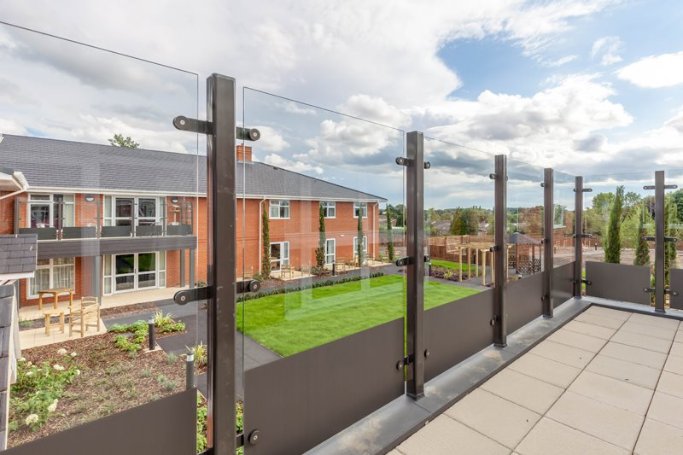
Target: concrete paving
{"points": [[609, 382]]}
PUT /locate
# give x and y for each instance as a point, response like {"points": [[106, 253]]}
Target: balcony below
{"points": [[607, 382]]}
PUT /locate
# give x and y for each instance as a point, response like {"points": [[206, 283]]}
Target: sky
{"points": [[587, 87]]}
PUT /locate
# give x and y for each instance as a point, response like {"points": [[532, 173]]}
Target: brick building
{"points": [[112, 220]]}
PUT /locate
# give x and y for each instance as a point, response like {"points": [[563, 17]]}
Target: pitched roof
{"points": [[80, 166]]}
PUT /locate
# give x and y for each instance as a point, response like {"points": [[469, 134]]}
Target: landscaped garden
{"points": [[292, 322]]}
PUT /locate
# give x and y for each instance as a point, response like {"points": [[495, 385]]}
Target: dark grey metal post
{"points": [[548, 241], [578, 235], [181, 267], [189, 372], [96, 275], [415, 269], [221, 263], [500, 248], [660, 242], [192, 268]]}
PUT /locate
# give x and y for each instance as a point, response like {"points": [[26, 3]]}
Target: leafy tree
{"points": [[320, 251], [119, 141], [670, 218], [613, 239], [265, 234], [390, 238], [359, 243], [642, 249], [677, 197], [464, 222]]}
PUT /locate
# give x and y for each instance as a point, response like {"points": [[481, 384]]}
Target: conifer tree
{"points": [[613, 240]]}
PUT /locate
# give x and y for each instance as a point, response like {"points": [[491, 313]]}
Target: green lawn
{"points": [[450, 265], [301, 320]]}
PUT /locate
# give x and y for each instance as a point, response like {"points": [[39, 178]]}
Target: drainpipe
{"points": [[260, 233]]}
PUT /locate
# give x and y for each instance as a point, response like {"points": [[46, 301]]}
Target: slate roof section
{"points": [[51, 163]]}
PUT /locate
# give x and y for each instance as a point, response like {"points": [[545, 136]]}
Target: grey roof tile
{"points": [[50, 163]]}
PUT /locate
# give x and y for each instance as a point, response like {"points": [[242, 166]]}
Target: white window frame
{"points": [[329, 206], [110, 217], [282, 207], [51, 280], [333, 254], [283, 260], [160, 272], [365, 246], [50, 202], [360, 205]]}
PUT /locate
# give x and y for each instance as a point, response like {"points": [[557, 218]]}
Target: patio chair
{"points": [[87, 314]]}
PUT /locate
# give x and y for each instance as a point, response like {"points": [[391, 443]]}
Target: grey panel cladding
{"points": [[626, 283], [18, 253], [299, 401], [676, 288], [562, 289], [457, 330], [524, 300], [165, 426], [96, 247]]}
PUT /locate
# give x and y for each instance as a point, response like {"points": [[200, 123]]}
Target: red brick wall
{"points": [[6, 215]]}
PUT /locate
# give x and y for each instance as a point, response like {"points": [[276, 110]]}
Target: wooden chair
{"points": [[83, 316]]}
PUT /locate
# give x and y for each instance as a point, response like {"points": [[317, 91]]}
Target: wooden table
{"points": [[56, 293]]}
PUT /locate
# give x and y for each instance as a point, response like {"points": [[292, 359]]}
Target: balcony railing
{"points": [[93, 232]]}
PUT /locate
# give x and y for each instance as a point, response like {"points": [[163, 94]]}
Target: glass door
{"points": [[147, 270], [124, 268]]}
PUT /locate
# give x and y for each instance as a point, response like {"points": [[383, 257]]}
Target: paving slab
{"points": [[499, 419], [606, 422], [623, 370], [667, 409], [634, 354], [671, 383], [637, 326], [578, 340], [547, 370], [523, 390], [551, 437], [445, 436], [642, 341], [603, 321], [658, 438], [629, 397], [562, 353], [587, 328]]}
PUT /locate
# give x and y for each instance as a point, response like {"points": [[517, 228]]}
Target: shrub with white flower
{"points": [[61, 351], [73, 354], [35, 395], [53, 406], [31, 419]]}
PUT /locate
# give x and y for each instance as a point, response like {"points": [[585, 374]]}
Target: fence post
{"points": [[500, 265], [416, 265], [578, 236], [548, 241], [660, 242]]}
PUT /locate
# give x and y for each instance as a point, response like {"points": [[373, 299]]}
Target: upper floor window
{"points": [[279, 209], [132, 211], [329, 208], [51, 210], [359, 207]]}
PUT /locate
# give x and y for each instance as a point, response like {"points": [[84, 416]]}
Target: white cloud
{"points": [[271, 140], [655, 71], [291, 165], [560, 61], [549, 128], [607, 49], [11, 127]]}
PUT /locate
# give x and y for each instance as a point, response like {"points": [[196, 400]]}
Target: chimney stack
{"points": [[244, 153]]}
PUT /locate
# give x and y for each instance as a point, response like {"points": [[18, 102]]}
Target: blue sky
{"points": [[586, 86]]}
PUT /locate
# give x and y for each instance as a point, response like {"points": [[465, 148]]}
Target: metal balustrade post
{"points": [[548, 241], [415, 267], [660, 242], [578, 236], [221, 163], [500, 233]]}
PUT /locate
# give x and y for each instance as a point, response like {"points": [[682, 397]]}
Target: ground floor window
{"points": [[330, 251], [279, 255], [132, 271], [365, 246], [53, 274]]}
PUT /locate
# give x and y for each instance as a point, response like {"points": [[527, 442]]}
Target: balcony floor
{"points": [[608, 382]]}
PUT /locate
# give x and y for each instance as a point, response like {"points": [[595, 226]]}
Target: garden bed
{"points": [[103, 380]]}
